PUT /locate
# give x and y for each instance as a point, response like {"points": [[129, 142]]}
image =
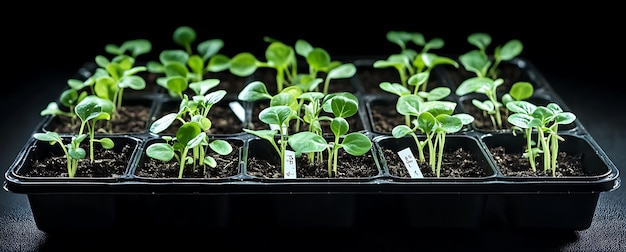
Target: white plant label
{"points": [[290, 164], [410, 163], [238, 110]]}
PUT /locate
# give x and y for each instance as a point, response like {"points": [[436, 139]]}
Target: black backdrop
{"points": [[582, 40]]}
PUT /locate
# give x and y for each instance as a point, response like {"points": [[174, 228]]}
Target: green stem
{"points": [[441, 139]]}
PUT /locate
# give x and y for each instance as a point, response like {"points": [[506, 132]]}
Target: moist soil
{"points": [[457, 164], [107, 163], [227, 165], [348, 166], [514, 164]]}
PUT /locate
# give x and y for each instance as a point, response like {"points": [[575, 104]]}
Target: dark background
{"points": [[578, 49]]}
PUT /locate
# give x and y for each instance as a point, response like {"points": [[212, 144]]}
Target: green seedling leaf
{"points": [[304, 48], [201, 87], [133, 82], [176, 69], [343, 71], [356, 143], [401, 131], [343, 107], [210, 161], [449, 124], [426, 122], [160, 151], [173, 56], [339, 126], [210, 48], [276, 114], [465, 118], [163, 123], [279, 54], [476, 62], [243, 64], [184, 36], [564, 118], [521, 90], [214, 97], [263, 134], [418, 79], [480, 40], [307, 142], [394, 88], [93, 107], [523, 107], [523, 121], [439, 107], [435, 94], [107, 143], [475, 84], [254, 91], [409, 105], [196, 64], [511, 49], [177, 84], [218, 63], [76, 152], [221, 147], [187, 132], [484, 105], [318, 58]]}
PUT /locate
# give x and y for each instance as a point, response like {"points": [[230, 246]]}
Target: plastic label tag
{"points": [[290, 164], [410, 163], [238, 110]]}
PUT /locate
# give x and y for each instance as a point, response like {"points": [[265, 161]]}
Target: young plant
{"points": [[191, 144], [479, 62], [184, 68], [410, 62], [72, 151], [91, 110], [113, 76], [434, 119], [416, 80], [545, 119], [279, 115], [492, 107], [256, 90], [354, 143], [282, 58]]}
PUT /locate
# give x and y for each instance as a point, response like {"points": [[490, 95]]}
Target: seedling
{"points": [[492, 107], [191, 135], [479, 62], [184, 68], [416, 80], [73, 152], [435, 119], [546, 120], [108, 81], [410, 62], [355, 143], [282, 58], [91, 110], [279, 115]]}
